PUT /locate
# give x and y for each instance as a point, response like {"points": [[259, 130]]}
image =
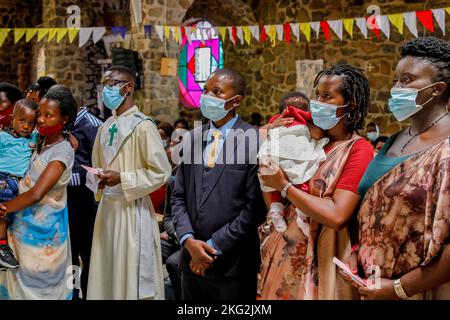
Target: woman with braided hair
{"points": [[299, 266], [404, 217]]}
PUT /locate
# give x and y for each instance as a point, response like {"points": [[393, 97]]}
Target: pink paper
{"points": [[91, 170]]}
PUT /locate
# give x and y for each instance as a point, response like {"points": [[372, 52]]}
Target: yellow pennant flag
{"points": [[305, 28], [42, 33], [348, 25], [61, 34], [223, 33], [3, 35], [30, 33], [18, 34], [167, 32], [176, 34], [72, 33], [397, 21], [272, 33], [448, 10], [247, 34], [52, 33]]}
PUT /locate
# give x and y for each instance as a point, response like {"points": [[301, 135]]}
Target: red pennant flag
{"points": [[263, 36], [287, 32], [183, 32], [234, 34], [372, 24], [326, 29], [426, 18]]}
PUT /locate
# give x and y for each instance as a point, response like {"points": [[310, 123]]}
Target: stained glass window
{"points": [[198, 60]]}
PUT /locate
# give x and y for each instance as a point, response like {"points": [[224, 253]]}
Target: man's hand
{"points": [[2, 211], [199, 268], [108, 178], [200, 251]]}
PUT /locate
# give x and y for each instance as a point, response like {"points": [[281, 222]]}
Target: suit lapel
{"points": [[198, 167], [217, 171]]}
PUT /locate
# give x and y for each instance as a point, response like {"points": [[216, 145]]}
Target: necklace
{"points": [[420, 132], [48, 146]]}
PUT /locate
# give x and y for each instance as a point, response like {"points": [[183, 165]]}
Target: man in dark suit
{"points": [[217, 203]]}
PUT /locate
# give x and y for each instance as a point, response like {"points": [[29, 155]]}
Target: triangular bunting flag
{"points": [[148, 30], [160, 32], [189, 34], [98, 33], [240, 34], [3, 35], [287, 32], [174, 36], [336, 25], [247, 34], [263, 34], [18, 34], [305, 28], [439, 15], [397, 21], [348, 25], [167, 32], [411, 22], [42, 32], [272, 33], [83, 37], [62, 32], [362, 25], [223, 33], [316, 27], [280, 30], [52, 33], [72, 34], [119, 30], [426, 18], [372, 24], [448, 10], [231, 35], [178, 36], [325, 29], [254, 30], [30, 33], [295, 27], [383, 24], [183, 34]]}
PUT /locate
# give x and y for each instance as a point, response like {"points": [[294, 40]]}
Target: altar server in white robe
{"points": [[128, 152]]}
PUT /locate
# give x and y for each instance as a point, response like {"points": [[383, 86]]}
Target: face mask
{"points": [[324, 114], [403, 102], [111, 96], [372, 136], [213, 108], [50, 131]]}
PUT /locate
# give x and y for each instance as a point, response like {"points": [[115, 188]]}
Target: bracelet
{"points": [[398, 288], [355, 248]]}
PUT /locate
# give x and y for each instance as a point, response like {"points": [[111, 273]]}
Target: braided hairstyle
{"points": [[66, 102], [355, 90], [434, 51]]}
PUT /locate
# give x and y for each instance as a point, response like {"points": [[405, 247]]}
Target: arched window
{"points": [[198, 60]]}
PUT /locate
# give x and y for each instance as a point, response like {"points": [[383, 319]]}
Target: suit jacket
{"points": [[225, 205]]}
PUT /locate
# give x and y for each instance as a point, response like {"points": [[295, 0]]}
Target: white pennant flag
{"points": [[160, 32], [383, 24], [295, 27], [240, 34], [98, 33], [316, 27], [362, 25], [83, 36], [188, 34], [254, 30], [439, 15], [411, 22], [280, 31], [230, 33], [336, 25]]}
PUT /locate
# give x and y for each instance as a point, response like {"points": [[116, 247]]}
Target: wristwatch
{"points": [[285, 189], [398, 288]]}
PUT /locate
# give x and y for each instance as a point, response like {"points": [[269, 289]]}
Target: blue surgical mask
{"points": [[111, 96], [373, 135], [403, 102], [213, 108], [324, 114]]}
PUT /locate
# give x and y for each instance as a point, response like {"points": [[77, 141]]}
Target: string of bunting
{"points": [[244, 34]]}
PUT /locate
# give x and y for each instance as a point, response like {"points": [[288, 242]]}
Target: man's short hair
{"points": [[238, 81], [123, 70]]}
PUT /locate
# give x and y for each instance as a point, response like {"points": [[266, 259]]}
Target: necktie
{"points": [[213, 151]]}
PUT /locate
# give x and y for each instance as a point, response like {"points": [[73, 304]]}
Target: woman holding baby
{"points": [[297, 263]]}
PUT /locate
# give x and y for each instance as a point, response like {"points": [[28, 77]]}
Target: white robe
{"points": [[126, 258]]}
